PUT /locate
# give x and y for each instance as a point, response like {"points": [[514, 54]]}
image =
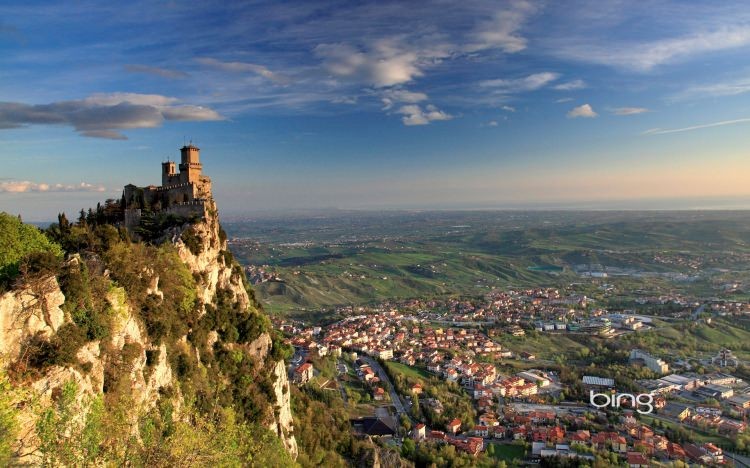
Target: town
{"points": [[461, 372]]}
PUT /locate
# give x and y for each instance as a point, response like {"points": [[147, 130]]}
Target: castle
{"points": [[186, 193]]}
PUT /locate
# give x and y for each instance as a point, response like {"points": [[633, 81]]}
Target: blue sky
{"points": [[378, 104]]}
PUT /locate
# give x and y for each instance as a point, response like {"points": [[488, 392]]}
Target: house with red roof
{"points": [[303, 373], [454, 426], [419, 432], [638, 460], [613, 440]]}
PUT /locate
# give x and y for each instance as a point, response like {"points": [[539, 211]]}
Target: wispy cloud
{"points": [[662, 131], [508, 108], [518, 85], [723, 88], [243, 67], [415, 115], [645, 56], [25, 186], [156, 71], [570, 85], [102, 115], [584, 110], [629, 110]]}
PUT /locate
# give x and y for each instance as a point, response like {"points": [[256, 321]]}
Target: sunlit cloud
{"points": [[584, 110], [25, 186], [415, 115], [502, 31]]}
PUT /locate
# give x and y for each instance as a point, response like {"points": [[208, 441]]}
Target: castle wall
{"points": [[188, 209]]}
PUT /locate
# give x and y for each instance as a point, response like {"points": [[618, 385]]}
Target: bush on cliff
{"points": [[19, 241]]}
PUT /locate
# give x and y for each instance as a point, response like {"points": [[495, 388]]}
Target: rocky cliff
{"points": [[119, 339], [218, 272]]}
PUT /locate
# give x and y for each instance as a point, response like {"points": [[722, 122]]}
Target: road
{"points": [[341, 369], [395, 399], [739, 460]]}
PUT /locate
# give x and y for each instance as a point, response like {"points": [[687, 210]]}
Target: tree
{"points": [[415, 413]]}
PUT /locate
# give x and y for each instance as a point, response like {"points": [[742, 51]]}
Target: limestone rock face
{"points": [[36, 309], [28, 311], [211, 265], [284, 422]]}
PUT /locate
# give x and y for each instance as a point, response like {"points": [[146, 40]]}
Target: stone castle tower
{"points": [[190, 168], [185, 193]]}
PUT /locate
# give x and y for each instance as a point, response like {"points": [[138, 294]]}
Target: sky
{"points": [[378, 105]]}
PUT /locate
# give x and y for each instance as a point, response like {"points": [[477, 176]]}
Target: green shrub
{"points": [[18, 241], [192, 241]]}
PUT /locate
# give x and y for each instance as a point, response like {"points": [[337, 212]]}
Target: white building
{"points": [[653, 363]]}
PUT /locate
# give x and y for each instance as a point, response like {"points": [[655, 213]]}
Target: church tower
{"points": [[190, 165]]}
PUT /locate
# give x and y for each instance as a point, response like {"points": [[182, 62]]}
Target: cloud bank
{"points": [[104, 115], [25, 186]]}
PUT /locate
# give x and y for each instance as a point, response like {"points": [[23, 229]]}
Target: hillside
{"points": [[153, 353], [317, 263]]}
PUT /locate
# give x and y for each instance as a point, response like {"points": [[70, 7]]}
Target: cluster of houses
{"points": [[391, 335], [472, 444], [558, 432]]}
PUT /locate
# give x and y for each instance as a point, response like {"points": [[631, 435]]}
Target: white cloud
{"points": [[392, 96], [518, 85], [629, 110], [660, 131], [388, 62], [566, 99], [413, 114], [570, 85], [243, 67], [508, 108], [25, 186], [102, 115], [492, 123], [502, 30], [584, 110], [645, 56]]}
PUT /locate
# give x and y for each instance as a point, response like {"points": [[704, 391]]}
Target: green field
{"points": [[508, 452], [413, 372], [365, 258]]}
